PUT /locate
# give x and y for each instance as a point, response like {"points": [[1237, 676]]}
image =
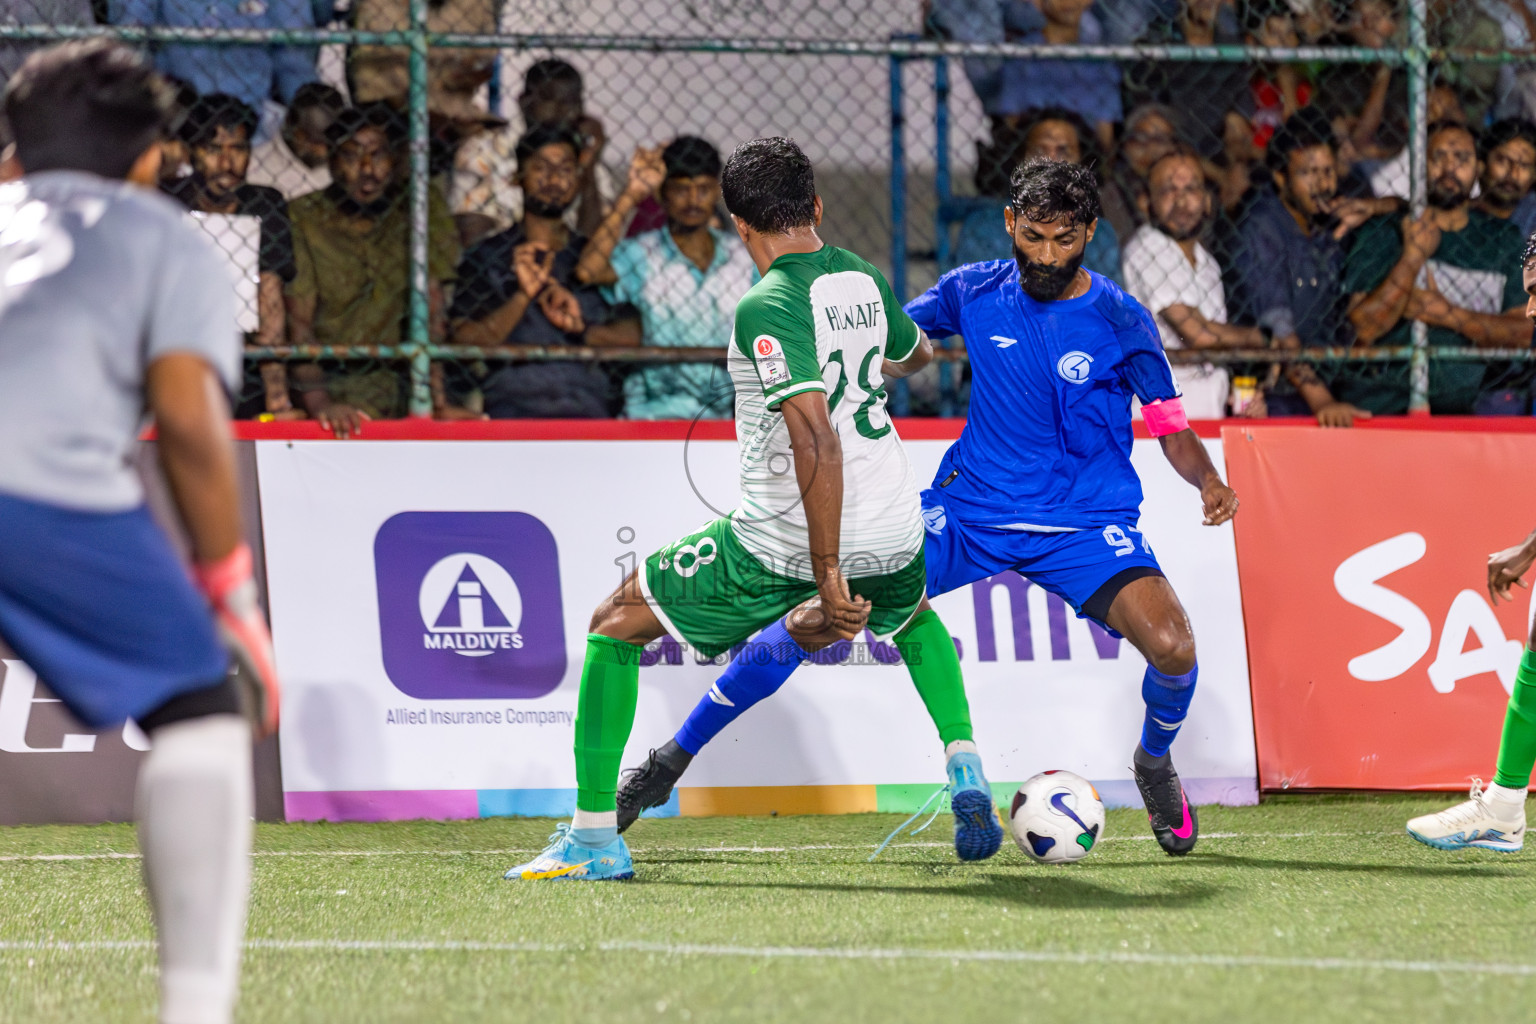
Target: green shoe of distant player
{"points": [[564, 858]]}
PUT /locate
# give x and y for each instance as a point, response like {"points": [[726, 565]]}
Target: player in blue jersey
{"points": [[112, 305], [1040, 480]]}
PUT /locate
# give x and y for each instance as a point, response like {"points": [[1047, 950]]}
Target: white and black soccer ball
{"points": [[1057, 817]]}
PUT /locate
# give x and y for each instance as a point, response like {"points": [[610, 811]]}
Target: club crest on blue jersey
{"points": [[1075, 367]]}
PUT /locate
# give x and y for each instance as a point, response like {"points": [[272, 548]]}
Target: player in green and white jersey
{"points": [[829, 507]]}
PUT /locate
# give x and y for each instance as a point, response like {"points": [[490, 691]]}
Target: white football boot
{"points": [[1483, 822]]}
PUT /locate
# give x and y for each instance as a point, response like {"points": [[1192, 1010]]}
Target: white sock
{"points": [[1504, 797], [595, 819], [959, 747], [195, 801]]}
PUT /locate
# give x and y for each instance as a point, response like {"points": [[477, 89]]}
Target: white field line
{"points": [[27, 857], [953, 956]]}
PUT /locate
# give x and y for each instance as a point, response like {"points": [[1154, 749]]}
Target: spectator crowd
{"points": [[1264, 206], [1248, 206]]}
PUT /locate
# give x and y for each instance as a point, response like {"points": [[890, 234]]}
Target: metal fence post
{"points": [[949, 403], [1418, 112], [901, 394], [420, 320]]}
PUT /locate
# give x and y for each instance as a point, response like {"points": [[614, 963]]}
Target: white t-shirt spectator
{"points": [[275, 165], [1159, 275]]}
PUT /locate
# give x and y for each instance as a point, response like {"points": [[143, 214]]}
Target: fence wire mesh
{"points": [[469, 207]]}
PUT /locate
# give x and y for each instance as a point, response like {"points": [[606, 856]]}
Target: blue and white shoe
{"points": [[1478, 823], [978, 833], [565, 858]]}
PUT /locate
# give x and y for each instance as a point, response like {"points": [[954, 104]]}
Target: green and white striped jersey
{"points": [[823, 321]]}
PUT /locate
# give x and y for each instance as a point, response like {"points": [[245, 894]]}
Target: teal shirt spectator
{"points": [[680, 306], [982, 237]]}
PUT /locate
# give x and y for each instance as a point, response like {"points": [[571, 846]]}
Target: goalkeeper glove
{"points": [[231, 589]]}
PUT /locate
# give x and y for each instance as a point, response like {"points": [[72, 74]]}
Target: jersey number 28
{"points": [[863, 385]]}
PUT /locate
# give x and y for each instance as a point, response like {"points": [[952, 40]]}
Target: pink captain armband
{"points": [[1165, 417]]}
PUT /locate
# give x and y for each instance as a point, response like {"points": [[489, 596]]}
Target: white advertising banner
{"points": [[430, 601]]}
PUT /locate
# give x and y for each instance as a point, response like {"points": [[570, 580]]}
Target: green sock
{"points": [[935, 667], [1517, 747], [605, 712]]}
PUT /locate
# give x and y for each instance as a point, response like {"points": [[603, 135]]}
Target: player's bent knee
{"points": [[1172, 652], [625, 615], [221, 698]]}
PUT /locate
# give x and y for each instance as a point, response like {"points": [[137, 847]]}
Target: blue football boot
{"points": [[565, 858], [978, 833]]}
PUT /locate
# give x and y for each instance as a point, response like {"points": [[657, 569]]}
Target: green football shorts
{"points": [[709, 590]]}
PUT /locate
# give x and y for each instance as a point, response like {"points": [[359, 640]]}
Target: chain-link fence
{"points": [[467, 207]]}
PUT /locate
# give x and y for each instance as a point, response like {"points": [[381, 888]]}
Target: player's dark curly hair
{"points": [[1530, 251], [212, 112], [1054, 191], [768, 183], [90, 105]]}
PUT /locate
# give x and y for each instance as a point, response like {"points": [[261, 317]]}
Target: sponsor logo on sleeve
{"points": [[772, 368]]}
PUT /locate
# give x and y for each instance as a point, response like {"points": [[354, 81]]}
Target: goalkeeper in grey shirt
{"points": [[113, 306]]}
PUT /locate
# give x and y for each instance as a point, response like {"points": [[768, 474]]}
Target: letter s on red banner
{"points": [[1376, 659]]}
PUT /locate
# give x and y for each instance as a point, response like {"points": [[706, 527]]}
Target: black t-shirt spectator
{"points": [[536, 390], [268, 204], [487, 282]]}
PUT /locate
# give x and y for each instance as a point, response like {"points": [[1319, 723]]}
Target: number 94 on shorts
{"points": [[708, 589]]}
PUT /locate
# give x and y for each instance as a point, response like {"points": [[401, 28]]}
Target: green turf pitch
{"points": [[1315, 908]]}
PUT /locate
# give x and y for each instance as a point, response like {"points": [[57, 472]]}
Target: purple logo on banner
{"points": [[469, 605]]}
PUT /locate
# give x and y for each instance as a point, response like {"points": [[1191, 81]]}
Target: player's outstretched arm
{"points": [[1506, 567], [819, 473], [1186, 453], [920, 357]]}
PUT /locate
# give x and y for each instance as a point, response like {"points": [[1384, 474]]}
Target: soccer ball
{"points": [[1057, 817]]}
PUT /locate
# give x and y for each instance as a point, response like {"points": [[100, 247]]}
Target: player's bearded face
{"points": [[1046, 278]]}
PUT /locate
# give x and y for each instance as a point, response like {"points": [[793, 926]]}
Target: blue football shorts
{"points": [[1072, 565], [102, 609]]}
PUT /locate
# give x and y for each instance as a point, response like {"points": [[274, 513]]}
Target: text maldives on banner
{"points": [[453, 619], [1377, 660]]}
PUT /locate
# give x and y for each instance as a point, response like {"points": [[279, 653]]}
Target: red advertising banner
{"points": [[1376, 658]]}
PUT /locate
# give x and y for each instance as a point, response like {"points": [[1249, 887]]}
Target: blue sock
{"points": [[756, 672], [1168, 699]]}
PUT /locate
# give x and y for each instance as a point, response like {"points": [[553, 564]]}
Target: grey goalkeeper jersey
{"points": [[98, 279]]}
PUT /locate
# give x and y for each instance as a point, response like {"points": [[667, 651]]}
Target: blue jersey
{"points": [[1048, 442]]}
